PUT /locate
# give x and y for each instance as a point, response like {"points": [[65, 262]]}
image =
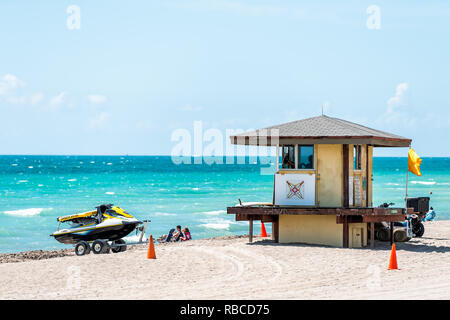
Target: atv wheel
{"points": [[419, 230], [82, 248], [119, 248], [99, 246], [400, 236]]}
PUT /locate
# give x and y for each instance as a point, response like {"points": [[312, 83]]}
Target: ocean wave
{"points": [[213, 213], [164, 214], [25, 212], [71, 180], [424, 182], [219, 226], [217, 223], [392, 184], [110, 192]]}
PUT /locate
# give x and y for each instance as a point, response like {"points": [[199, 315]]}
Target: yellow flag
{"points": [[414, 162]]}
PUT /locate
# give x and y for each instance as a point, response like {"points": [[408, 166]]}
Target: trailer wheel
{"points": [[99, 246], [82, 248], [119, 248], [383, 235], [419, 229]]}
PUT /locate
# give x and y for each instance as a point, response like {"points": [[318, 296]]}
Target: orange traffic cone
{"points": [[393, 259], [263, 230], [151, 249]]}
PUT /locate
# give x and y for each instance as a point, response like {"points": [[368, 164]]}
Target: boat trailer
{"points": [[100, 246]]}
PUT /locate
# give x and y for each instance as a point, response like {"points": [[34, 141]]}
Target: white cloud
{"points": [[10, 82], [36, 98], [397, 110], [189, 107], [99, 120], [399, 98], [16, 100], [59, 99], [96, 98]]}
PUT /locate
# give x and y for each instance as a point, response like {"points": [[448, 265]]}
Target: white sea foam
{"points": [[217, 223], [30, 167], [14, 164], [22, 181], [164, 214], [424, 182], [134, 238], [71, 180], [109, 192], [214, 213], [25, 212], [109, 163], [220, 226], [195, 189], [392, 184]]}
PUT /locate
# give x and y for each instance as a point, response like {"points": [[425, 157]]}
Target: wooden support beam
{"points": [[345, 171], [278, 210], [250, 231], [345, 232], [367, 175], [392, 232], [372, 234], [275, 230], [383, 218]]}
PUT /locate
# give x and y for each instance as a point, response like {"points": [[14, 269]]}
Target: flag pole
{"points": [[407, 176]]}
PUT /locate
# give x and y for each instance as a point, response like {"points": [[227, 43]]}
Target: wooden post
{"points": [[392, 232], [345, 232], [250, 234], [275, 229], [367, 175], [372, 234], [345, 171]]}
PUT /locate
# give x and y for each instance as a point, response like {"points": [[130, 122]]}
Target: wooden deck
{"points": [[344, 216]]}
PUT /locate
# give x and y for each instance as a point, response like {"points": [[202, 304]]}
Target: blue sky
{"points": [[136, 71]]}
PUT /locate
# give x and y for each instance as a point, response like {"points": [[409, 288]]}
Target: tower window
{"points": [[305, 157]]}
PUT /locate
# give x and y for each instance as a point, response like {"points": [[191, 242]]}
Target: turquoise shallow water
{"points": [[34, 190]]}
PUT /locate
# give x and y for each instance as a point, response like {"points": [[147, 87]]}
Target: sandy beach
{"points": [[230, 268]]}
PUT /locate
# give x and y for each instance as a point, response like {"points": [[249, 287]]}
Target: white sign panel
{"points": [[295, 189]]}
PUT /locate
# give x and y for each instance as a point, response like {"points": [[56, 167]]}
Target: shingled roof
{"points": [[319, 130]]}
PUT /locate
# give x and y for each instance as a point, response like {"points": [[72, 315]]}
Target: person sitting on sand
{"points": [[166, 237], [430, 215], [172, 236], [187, 235], [177, 234]]}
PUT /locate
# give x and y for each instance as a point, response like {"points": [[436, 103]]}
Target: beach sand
{"points": [[230, 268]]}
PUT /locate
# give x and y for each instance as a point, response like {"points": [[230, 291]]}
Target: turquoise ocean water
{"points": [[34, 190]]}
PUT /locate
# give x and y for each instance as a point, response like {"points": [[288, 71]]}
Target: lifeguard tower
{"points": [[322, 184]]}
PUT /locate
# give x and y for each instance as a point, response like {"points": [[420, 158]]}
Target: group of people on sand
{"points": [[176, 235]]}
